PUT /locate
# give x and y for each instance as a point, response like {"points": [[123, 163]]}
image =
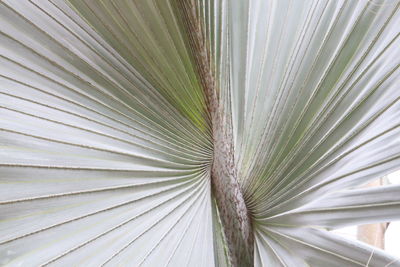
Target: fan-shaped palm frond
{"points": [[196, 133]]}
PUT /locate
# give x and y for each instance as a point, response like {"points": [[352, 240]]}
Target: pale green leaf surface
{"points": [[321, 248], [105, 142], [349, 207], [315, 106], [101, 163]]}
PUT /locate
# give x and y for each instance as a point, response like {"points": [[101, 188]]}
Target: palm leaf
{"points": [[110, 138]]}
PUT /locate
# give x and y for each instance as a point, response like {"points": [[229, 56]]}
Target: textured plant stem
{"points": [[231, 205], [230, 201]]}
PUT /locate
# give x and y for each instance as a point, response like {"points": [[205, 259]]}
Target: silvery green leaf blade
{"points": [[102, 163], [196, 133], [322, 248], [348, 207]]}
